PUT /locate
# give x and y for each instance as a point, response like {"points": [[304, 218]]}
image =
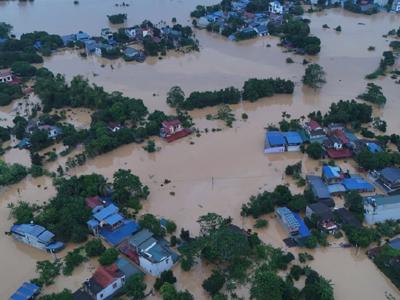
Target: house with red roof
{"points": [[314, 130], [173, 130], [8, 77], [105, 282]]}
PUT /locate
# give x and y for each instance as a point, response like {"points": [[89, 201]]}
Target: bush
{"points": [[373, 94], [261, 223], [214, 283], [108, 257], [315, 150], [117, 18], [94, 248], [165, 276]]}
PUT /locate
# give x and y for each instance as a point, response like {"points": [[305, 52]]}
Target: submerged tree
{"points": [[314, 76]]}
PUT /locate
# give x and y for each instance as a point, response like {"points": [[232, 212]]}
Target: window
{"points": [[114, 285], [101, 296]]}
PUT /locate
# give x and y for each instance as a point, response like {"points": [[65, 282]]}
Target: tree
{"points": [[135, 287], [22, 212], [373, 94], [47, 271], [314, 76], [168, 292], [5, 29], [64, 295], [10, 174], [150, 147], [315, 150], [175, 97], [73, 259], [317, 287], [108, 257], [165, 276], [214, 283], [170, 226], [94, 248], [117, 18], [354, 203], [150, 222], [24, 69], [128, 187], [266, 285]]}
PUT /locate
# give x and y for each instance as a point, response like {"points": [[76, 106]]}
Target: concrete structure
{"points": [[381, 208], [389, 179], [155, 256], [36, 236], [293, 141], [275, 7], [274, 142]]}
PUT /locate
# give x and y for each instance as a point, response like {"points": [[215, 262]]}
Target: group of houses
{"points": [[253, 24]]}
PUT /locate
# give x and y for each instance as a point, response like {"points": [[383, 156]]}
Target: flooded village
{"points": [[211, 168]]}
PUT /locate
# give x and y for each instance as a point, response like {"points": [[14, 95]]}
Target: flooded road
{"points": [[221, 170]]}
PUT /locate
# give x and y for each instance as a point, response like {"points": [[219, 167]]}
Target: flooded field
{"points": [[221, 170]]}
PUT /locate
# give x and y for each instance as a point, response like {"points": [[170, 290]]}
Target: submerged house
{"points": [[380, 208], [314, 131], [294, 224], [324, 216], [173, 130], [293, 141], [36, 236], [150, 253], [6, 77], [332, 174], [27, 291], [110, 225], [347, 218], [320, 190], [275, 7], [389, 180], [358, 184], [131, 54], [274, 142]]}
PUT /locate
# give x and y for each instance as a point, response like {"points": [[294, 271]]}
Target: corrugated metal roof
{"points": [[106, 212], [292, 137], [391, 174], [113, 219], [357, 184], [331, 171], [318, 187], [140, 237], [275, 138], [383, 200]]}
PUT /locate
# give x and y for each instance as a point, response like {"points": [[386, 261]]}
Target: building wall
{"points": [[32, 241], [111, 289], [382, 213], [274, 149], [155, 269], [293, 148]]}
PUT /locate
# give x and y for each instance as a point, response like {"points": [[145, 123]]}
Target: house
{"points": [[202, 22], [36, 236], [275, 7], [82, 36], [132, 32], [358, 184], [154, 255], [105, 282], [6, 77], [94, 203], [293, 141], [320, 190], [113, 127], [335, 126], [90, 46], [334, 147], [24, 144], [396, 6], [106, 34], [27, 291], [314, 131], [53, 132], [100, 49], [380, 208], [347, 218], [294, 225], [133, 54], [173, 130], [332, 174], [371, 146], [389, 179], [261, 30], [67, 39], [324, 215], [274, 142], [394, 244]]}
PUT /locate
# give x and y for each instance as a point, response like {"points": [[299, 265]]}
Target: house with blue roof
{"points": [[69, 38], [110, 225], [82, 36], [358, 184], [320, 190], [380, 208], [293, 141], [332, 174], [293, 224], [274, 142], [27, 291], [154, 254], [36, 236]]}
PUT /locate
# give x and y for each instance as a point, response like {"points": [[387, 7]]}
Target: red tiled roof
{"points": [[342, 153], [104, 276], [313, 125], [175, 122], [342, 136], [92, 202]]}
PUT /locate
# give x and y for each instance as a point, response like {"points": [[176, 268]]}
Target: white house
{"points": [[6, 76], [396, 6], [105, 282], [155, 256], [107, 34], [275, 7], [381, 208]]}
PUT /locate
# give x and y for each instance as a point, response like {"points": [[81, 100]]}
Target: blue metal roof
{"points": [[113, 219], [293, 137], [318, 187], [331, 171], [373, 147], [395, 243], [92, 223], [288, 218], [127, 267], [123, 232], [106, 212], [46, 236], [357, 184], [16, 296], [25, 292], [303, 229], [275, 138], [34, 230]]}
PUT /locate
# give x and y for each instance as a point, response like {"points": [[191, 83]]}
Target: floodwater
{"points": [[221, 170]]}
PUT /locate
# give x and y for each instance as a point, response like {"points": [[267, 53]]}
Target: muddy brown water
{"points": [[220, 170]]}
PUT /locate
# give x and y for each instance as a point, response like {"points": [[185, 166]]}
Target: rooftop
{"points": [[383, 200], [275, 138], [318, 187], [127, 268], [321, 210], [331, 172], [395, 243], [106, 212], [391, 174], [348, 218], [140, 237], [124, 231], [34, 230], [293, 137], [357, 184]]}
